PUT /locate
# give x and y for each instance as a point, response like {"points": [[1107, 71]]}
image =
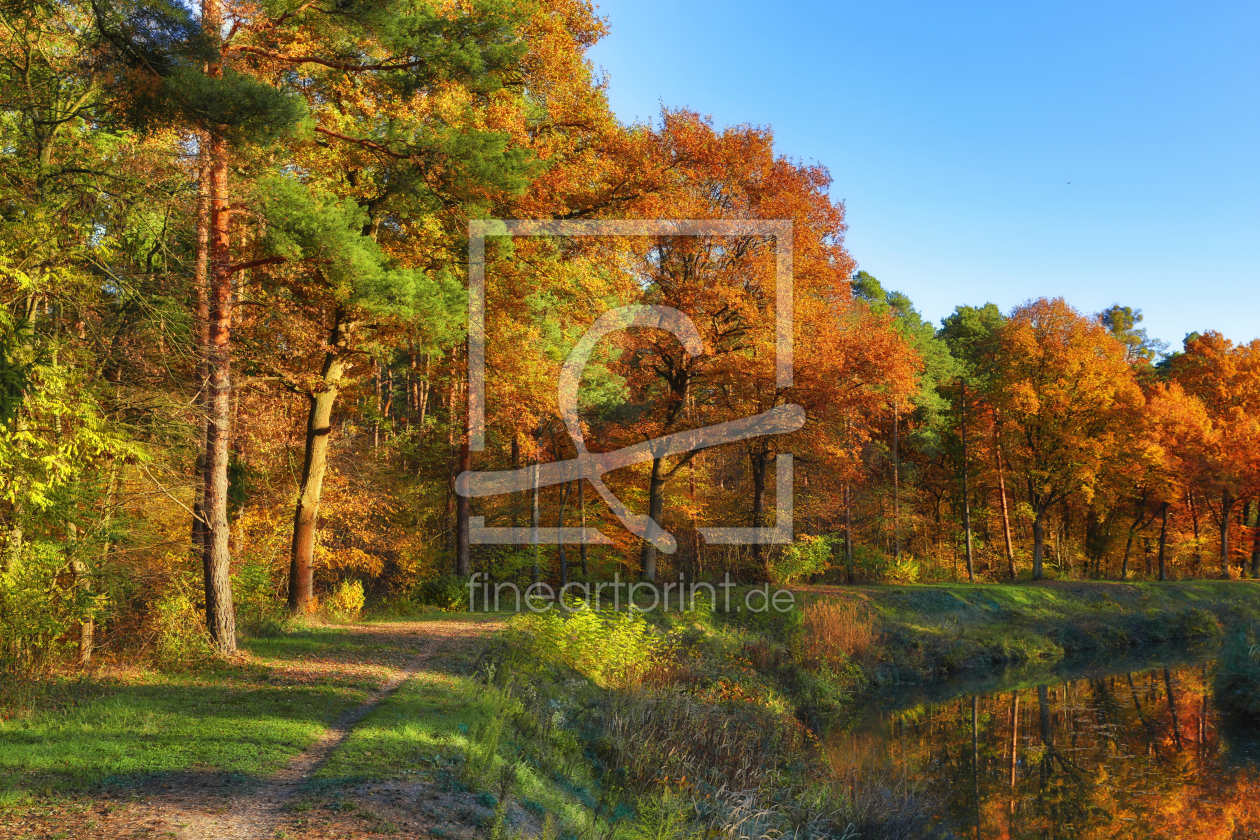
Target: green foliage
{"points": [[39, 604], [254, 595], [449, 593], [347, 601], [607, 646], [809, 555], [180, 631]]}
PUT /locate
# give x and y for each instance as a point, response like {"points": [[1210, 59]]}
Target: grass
{"points": [[246, 717]]}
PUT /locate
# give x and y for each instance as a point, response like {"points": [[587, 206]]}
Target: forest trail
{"points": [[257, 814]]}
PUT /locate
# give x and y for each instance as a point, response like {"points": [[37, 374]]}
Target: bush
{"points": [[181, 635], [609, 647], [810, 555], [449, 593], [39, 605], [346, 602], [255, 597]]}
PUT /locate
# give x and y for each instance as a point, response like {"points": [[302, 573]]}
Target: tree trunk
{"points": [[656, 503], [1006, 518], [1255, 549], [1039, 541], [564, 562], [463, 562], [971, 570], [314, 465], [1227, 506], [1194, 521], [201, 268], [759, 459], [896, 465], [220, 615], [848, 531], [534, 522], [582, 552], [1163, 541]]}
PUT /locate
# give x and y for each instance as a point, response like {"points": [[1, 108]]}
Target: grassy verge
{"points": [[247, 717]]}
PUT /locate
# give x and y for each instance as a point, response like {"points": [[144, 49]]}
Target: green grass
{"points": [[133, 725]]}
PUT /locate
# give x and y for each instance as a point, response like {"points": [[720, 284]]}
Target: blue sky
{"points": [[994, 151]]}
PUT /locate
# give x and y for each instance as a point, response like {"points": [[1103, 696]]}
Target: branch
{"points": [[324, 62], [232, 269], [367, 144], [159, 486]]}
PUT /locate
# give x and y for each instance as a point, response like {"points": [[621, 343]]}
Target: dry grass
{"points": [[837, 630]]}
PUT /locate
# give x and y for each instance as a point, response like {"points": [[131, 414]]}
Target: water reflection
{"points": [[1136, 754]]}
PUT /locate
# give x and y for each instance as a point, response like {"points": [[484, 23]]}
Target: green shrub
{"points": [[809, 555], [607, 646], [254, 596], [346, 602], [181, 635], [449, 593], [39, 605]]}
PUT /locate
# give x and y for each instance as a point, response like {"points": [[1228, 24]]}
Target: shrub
{"points": [[346, 602], [254, 595], [810, 555], [39, 604], [449, 593], [181, 635], [609, 647]]}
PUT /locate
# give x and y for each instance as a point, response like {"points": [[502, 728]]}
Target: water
{"points": [[1130, 748]]}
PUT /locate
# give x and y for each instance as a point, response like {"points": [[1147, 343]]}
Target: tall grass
{"points": [[835, 631]]}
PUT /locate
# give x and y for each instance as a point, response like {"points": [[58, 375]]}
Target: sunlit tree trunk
{"points": [[1163, 541], [315, 465]]}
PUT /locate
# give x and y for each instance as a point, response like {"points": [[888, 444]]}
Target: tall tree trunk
{"points": [[534, 522], [582, 552], [463, 562], [848, 532], [1227, 506], [896, 465], [564, 562], [1255, 549], [656, 504], [1006, 517], [1163, 541], [201, 269], [971, 570], [759, 459], [1194, 522], [1039, 542], [314, 465], [220, 614]]}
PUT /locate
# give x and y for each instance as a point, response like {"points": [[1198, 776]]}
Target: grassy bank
{"points": [[927, 632]]}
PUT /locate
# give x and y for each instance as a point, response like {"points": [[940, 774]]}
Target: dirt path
{"points": [[257, 815], [210, 806]]}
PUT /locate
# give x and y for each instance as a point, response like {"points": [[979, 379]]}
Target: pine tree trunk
{"points": [[1255, 549], [564, 563], [896, 465], [463, 561], [582, 552], [220, 615], [848, 532], [314, 466], [201, 268]]}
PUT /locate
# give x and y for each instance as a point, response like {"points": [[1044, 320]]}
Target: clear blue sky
{"points": [[952, 131]]}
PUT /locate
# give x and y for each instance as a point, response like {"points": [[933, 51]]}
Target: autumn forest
{"points": [[235, 354]]}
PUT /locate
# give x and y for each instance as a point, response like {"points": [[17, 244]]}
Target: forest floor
{"points": [[288, 740]]}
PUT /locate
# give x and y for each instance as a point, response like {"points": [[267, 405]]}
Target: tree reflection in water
{"points": [[1143, 754]]}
